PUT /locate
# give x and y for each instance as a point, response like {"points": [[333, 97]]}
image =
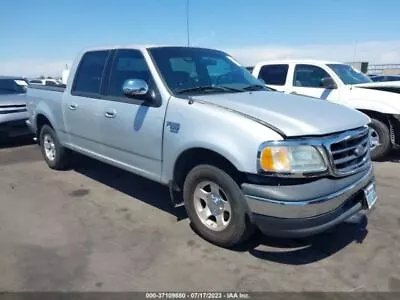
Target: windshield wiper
{"points": [[211, 88], [255, 87]]}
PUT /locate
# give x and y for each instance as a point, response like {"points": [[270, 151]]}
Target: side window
{"points": [[127, 64], [50, 83], [90, 71], [309, 76], [274, 74]]}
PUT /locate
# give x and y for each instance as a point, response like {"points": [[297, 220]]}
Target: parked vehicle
{"points": [[383, 78], [64, 75], [345, 85], [197, 121], [48, 82], [13, 113]]}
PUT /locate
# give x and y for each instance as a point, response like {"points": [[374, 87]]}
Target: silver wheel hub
{"points": [[212, 205], [374, 138], [49, 147]]}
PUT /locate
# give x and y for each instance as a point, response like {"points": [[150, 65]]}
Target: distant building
{"points": [[361, 66], [384, 69]]}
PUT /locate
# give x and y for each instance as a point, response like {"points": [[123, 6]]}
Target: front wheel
{"points": [[216, 206], [379, 139]]}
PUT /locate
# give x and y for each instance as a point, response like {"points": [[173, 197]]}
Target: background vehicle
{"points": [[48, 82], [342, 84], [13, 113], [197, 121], [64, 75], [382, 78]]}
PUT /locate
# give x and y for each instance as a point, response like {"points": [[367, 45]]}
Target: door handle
{"points": [[72, 106], [110, 114]]}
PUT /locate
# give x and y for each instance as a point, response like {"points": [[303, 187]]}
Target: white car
{"points": [[341, 83], [48, 82]]}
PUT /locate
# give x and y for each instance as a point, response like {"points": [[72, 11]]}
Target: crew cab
{"points": [[13, 113], [341, 83], [235, 154]]}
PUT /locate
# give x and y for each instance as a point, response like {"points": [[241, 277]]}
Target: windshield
{"points": [[200, 71], [11, 86], [349, 75]]}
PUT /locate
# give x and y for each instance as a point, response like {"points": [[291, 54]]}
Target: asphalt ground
{"points": [[98, 228]]}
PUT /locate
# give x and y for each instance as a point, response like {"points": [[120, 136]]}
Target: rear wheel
{"points": [[56, 156], [379, 139], [216, 206]]}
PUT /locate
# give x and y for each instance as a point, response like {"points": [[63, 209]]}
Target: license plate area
{"points": [[370, 196]]}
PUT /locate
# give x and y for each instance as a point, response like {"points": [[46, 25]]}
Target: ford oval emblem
{"points": [[358, 150]]}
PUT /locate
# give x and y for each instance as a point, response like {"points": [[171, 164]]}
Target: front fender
{"points": [[231, 135], [373, 100]]}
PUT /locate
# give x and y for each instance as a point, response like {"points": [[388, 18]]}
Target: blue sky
{"points": [[46, 34]]}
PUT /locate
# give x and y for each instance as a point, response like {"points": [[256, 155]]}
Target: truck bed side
{"points": [[45, 101]]}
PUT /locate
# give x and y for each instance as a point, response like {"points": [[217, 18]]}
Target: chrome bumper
{"points": [[304, 208]]}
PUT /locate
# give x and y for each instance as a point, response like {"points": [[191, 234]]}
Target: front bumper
{"points": [[14, 128], [30, 126], [306, 209]]}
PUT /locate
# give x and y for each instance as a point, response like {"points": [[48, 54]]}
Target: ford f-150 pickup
{"points": [[237, 154]]}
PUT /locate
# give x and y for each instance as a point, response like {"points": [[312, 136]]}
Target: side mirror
{"points": [[135, 88], [328, 83]]}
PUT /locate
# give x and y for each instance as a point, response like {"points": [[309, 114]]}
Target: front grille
{"points": [[350, 152]]}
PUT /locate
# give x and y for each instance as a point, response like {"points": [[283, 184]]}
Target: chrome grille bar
{"points": [[349, 152]]}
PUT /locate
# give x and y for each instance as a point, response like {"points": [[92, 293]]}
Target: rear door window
{"points": [[89, 75], [50, 83], [274, 74]]}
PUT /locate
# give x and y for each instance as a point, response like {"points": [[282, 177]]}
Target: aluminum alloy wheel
{"points": [[212, 205], [374, 138], [49, 147]]}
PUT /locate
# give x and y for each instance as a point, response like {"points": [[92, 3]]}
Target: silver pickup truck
{"points": [[239, 155]]}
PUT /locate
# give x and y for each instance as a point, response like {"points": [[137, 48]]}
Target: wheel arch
{"points": [[195, 156], [385, 119], [40, 121]]}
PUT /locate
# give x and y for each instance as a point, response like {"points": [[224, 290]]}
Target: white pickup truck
{"points": [[345, 85]]}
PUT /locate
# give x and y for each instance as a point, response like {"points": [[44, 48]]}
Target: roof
{"points": [[11, 77], [299, 61], [141, 47]]}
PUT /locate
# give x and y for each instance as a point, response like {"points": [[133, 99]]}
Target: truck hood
{"points": [[388, 86], [12, 100], [290, 115]]}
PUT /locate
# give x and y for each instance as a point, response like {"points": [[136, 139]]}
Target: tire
{"points": [[61, 158], [238, 227], [380, 131]]}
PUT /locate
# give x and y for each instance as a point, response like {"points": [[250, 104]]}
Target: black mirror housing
{"points": [[328, 83]]}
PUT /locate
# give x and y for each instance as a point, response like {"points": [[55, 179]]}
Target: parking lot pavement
{"points": [[98, 228]]}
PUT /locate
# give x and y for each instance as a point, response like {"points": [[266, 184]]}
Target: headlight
{"points": [[291, 159]]}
